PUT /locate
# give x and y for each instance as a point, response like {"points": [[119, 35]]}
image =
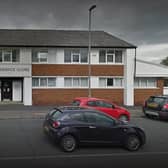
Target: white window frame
{"points": [[72, 82], [47, 86], [112, 54], [114, 82], [11, 56], [147, 83], [75, 53], [41, 52]]}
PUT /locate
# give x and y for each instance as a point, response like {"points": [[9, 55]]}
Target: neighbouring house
{"points": [[149, 80], [50, 67]]}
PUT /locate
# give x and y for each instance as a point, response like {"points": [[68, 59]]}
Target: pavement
{"points": [[19, 111]]}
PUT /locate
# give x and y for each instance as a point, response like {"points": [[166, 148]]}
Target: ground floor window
{"points": [[105, 82], [76, 82], [43, 82], [145, 83]]}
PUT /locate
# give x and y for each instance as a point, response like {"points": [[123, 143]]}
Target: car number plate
{"points": [[152, 113]]}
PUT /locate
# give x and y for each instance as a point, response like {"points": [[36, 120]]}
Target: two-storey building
{"points": [[44, 67]]}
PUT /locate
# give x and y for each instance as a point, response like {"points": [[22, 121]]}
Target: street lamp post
{"points": [[89, 51]]}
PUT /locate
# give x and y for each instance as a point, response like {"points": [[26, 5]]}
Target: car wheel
{"points": [[132, 143], [123, 118], [68, 143]]}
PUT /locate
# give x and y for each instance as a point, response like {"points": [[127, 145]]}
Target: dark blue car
{"points": [[72, 126]]}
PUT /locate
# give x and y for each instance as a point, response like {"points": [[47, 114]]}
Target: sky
{"points": [[140, 22]]}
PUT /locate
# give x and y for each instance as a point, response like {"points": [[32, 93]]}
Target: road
{"points": [[22, 143]]}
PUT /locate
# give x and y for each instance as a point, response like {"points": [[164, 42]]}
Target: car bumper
{"points": [[159, 114], [51, 132]]}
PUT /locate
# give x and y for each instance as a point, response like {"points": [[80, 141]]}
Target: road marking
{"points": [[82, 155]]}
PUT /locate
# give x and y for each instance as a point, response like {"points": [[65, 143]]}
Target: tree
{"points": [[165, 61]]}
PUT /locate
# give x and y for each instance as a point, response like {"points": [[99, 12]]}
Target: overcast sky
{"points": [[143, 23]]}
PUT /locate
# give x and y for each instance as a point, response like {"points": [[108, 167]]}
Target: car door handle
{"points": [[92, 127]]}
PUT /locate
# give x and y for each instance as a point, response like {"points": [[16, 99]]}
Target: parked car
{"points": [[104, 106], [156, 106], [70, 127]]}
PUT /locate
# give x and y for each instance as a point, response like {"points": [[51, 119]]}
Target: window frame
{"points": [[72, 53], [138, 83], [113, 56], [80, 82], [114, 82], [39, 55], [10, 51], [39, 81]]}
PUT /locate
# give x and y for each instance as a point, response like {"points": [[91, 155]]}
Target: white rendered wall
{"points": [[129, 59], [60, 56], [17, 90], [52, 53], [25, 55], [27, 91]]}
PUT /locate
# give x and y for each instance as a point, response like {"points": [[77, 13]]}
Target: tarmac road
{"points": [[23, 144]]}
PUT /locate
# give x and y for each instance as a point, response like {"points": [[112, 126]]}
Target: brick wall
{"points": [[65, 96], [76, 70]]}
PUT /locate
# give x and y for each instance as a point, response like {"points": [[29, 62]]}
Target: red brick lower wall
{"points": [[65, 96], [140, 95]]}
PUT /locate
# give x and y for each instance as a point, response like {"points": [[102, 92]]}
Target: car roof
{"points": [[88, 98], [161, 96]]}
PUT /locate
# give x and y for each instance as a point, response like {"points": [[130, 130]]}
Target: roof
{"points": [[150, 69], [59, 38]]}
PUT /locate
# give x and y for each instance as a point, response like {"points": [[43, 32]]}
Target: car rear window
{"points": [[76, 103], [157, 100], [56, 114]]}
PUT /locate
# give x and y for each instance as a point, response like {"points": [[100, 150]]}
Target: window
{"points": [[44, 82], [145, 83], [110, 82], [110, 56], [76, 82], [91, 103], [51, 82], [39, 56], [98, 119], [118, 56], [76, 103], [76, 55], [9, 55], [68, 82], [35, 82], [77, 117], [103, 104]]}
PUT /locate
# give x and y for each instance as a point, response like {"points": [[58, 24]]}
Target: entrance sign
{"points": [[18, 70]]}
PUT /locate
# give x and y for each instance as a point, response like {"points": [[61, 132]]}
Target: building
{"points": [[44, 67]]}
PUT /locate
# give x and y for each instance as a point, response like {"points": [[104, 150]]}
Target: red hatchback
{"points": [[104, 106]]}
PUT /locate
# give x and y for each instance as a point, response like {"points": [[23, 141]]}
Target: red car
{"points": [[104, 106]]}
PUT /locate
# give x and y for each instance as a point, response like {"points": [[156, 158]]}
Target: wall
{"points": [[65, 96]]}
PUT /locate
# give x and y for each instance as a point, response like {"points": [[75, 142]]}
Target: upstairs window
{"points": [[9, 55], [110, 56], [39, 56], [75, 55]]}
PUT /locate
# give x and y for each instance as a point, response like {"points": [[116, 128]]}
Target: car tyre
{"points": [[68, 143], [123, 118], [132, 143]]}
